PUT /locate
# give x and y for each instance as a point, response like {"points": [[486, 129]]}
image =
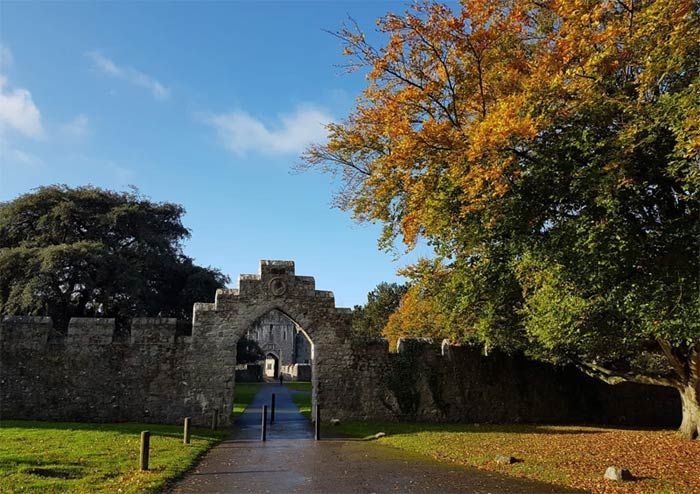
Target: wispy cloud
{"points": [[129, 74], [6, 58], [241, 133], [23, 158], [14, 157], [77, 127], [18, 111]]}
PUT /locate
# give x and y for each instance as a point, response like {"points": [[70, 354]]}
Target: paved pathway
{"points": [[292, 462]]}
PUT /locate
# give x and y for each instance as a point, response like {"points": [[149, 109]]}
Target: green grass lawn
{"points": [[243, 396], [92, 458], [302, 399]]}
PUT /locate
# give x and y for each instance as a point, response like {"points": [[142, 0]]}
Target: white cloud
{"points": [[241, 132], [6, 58], [129, 74], [77, 128], [18, 111]]}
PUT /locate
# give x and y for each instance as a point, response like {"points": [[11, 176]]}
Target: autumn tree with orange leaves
{"points": [[548, 152]]}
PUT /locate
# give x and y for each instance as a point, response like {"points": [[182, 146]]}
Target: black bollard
{"points": [[272, 410], [263, 435], [317, 425], [145, 446], [186, 432]]}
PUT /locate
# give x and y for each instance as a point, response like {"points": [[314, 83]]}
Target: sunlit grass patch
{"points": [[302, 396], [572, 456], [243, 396], [85, 458]]}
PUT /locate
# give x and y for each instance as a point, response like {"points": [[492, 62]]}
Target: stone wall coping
{"points": [[402, 344], [276, 263], [227, 291], [148, 321], [27, 319], [90, 321], [203, 306]]}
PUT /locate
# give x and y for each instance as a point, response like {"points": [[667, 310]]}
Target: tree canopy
{"points": [[86, 251], [549, 153], [371, 318], [248, 351]]}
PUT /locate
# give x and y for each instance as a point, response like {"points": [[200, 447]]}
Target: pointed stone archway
{"points": [[217, 328]]}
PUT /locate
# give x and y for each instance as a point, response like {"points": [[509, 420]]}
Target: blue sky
{"points": [[203, 104]]}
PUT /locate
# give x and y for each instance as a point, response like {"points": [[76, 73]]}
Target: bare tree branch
{"points": [[615, 377]]}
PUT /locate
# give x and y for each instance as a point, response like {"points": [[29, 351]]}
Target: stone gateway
{"points": [[162, 371], [158, 373]]}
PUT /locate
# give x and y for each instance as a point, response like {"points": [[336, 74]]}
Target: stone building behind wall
{"points": [[283, 343]]}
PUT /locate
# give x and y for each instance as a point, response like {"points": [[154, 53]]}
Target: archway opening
{"points": [[274, 351], [272, 366]]}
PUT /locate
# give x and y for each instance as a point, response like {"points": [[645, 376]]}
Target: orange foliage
{"points": [[417, 315], [455, 94]]}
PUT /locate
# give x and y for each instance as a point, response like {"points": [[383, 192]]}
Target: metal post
{"points": [[215, 419], [186, 432], [145, 445], [317, 424], [263, 436], [272, 410]]}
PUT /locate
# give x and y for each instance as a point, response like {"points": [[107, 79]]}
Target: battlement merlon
{"points": [[270, 268], [406, 344], [225, 295], [267, 271], [28, 332], [276, 279], [89, 331], [153, 330]]}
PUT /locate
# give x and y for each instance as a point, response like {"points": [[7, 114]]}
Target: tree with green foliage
{"points": [[77, 252], [549, 152], [371, 318], [248, 351]]}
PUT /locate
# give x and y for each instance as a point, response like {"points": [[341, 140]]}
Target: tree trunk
{"points": [[690, 399]]}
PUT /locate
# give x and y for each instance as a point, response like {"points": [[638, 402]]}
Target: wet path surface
{"points": [[289, 423], [290, 461]]}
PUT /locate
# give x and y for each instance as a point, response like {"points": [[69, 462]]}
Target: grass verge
{"points": [[243, 396], [302, 396], [51, 457], [571, 456]]}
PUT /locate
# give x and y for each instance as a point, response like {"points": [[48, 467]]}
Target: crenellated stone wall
{"points": [[424, 381], [89, 374], [156, 372], [153, 373]]}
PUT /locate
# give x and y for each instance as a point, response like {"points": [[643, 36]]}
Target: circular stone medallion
{"points": [[277, 287]]}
